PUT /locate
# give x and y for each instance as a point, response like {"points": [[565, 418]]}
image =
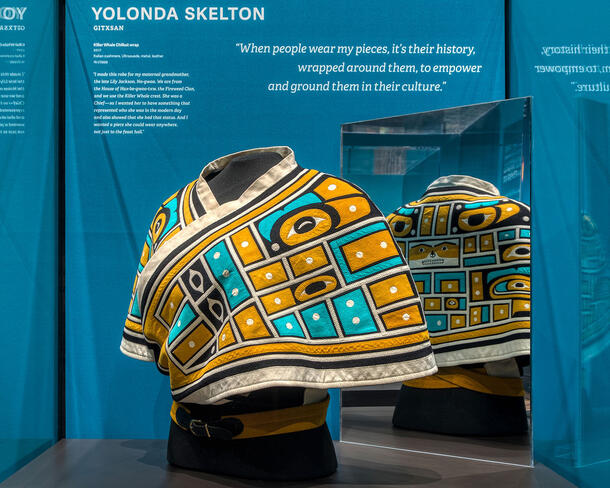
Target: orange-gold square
{"points": [[521, 306], [487, 242], [246, 246], [279, 300], [500, 311], [475, 315], [193, 343], [442, 216], [470, 245], [391, 290], [268, 276], [251, 324], [403, 317], [226, 336], [168, 313], [425, 228], [307, 261], [333, 188], [458, 321], [450, 286], [369, 250]]}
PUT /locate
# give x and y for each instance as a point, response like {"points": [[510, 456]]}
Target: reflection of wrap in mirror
{"points": [[469, 251], [454, 253]]}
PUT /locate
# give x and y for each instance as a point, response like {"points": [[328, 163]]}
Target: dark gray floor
{"points": [[373, 426], [78, 463]]}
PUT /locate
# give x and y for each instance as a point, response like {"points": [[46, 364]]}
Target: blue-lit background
{"points": [[116, 183]]}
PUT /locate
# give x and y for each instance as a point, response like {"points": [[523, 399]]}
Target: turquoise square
{"points": [[318, 322], [436, 323], [354, 313], [184, 319], [288, 326]]}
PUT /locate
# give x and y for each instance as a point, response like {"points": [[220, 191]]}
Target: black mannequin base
{"points": [[459, 411], [286, 457]]}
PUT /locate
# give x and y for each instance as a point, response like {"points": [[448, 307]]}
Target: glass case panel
{"points": [[592, 440], [28, 232]]}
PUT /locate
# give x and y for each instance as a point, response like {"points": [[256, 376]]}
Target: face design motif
{"points": [[434, 253]]}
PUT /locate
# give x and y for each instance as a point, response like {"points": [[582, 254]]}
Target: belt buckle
{"points": [[199, 424]]}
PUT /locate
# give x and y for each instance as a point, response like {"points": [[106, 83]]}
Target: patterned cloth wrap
{"points": [[469, 251], [296, 283]]}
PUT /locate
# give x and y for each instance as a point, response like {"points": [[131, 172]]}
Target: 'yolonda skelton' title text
{"points": [[209, 13]]}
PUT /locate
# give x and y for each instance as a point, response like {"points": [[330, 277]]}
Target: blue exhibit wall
{"points": [[115, 181], [28, 232], [559, 54]]}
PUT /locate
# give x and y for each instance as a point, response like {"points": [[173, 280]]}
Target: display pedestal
{"points": [[296, 456], [116, 463]]}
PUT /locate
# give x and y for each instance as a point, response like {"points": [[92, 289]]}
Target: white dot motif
{"points": [[244, 244], [171, 304], [359, 254], [216, 255], [383, 244], [316, 316], [269, 276], [179, 323], [405, 316], [449, 286], [250, 322], [234, 292], [309, 260], [277, 301], [349, 303], [191, 344], [275, 246], [457, 321], [442, 219], [223, 337], [393, 289], [332, 187], [438, 322], [356, 320], [527, 305], [478, 292], [226, 273], [289, 325], [352, 208]]}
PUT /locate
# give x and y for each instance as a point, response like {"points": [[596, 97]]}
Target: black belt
{"points": [[249, 425]]}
